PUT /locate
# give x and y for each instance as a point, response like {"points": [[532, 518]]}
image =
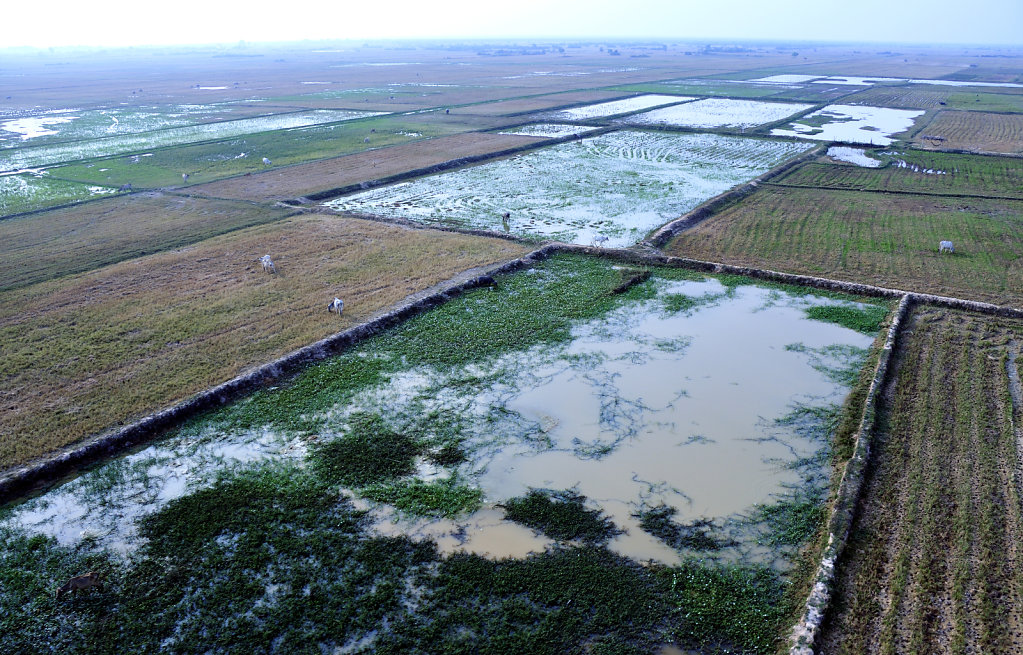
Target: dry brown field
{"points": [[59, 242], [538, 103], [84, 353], [294, 181], [974, 132], [935, 559], [922, 97]]}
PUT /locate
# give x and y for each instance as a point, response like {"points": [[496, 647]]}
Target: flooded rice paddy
{"points": [[852, 124], [719, 112], [25, 154], [618, 185], [549, 130], [685, 406], [614, 107]]}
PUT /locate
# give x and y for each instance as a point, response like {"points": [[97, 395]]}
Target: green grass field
{"points": [[961, 175], [884, 239]]}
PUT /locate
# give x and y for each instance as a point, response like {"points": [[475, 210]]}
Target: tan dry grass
{"points": [[974, 131], [295, 181], [539, 103], [85, 353]]}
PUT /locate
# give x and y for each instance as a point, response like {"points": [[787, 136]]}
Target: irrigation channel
{"points": [[582, 457]]}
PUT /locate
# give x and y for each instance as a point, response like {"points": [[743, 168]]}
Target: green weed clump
{"points": [[445, 498], [696, 535], [370, 453], [867, 319], [560, 515]]}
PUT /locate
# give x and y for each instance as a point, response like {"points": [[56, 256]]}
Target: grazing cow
{"points": [[366, 140], [125, 187], [184, 177], [268, 264], [599, 240], [79, 582], [336, 305], [266, 162], [946, 246]]}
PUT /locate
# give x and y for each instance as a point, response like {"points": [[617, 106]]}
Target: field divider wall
{"points": [[805, 632]]}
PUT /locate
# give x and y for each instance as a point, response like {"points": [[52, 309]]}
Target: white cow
{"points": [[268, 264], [946, 246], [266, 162], [336, 305], [599, 241]]}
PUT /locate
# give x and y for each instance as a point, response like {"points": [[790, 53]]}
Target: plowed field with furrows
{"points": [[974, 131], [935, 561]]}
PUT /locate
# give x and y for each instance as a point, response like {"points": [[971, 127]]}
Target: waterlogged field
{"points": [[615, 107], [28, 191], [913, 171], [550, 130], [934, 562], [484, 477], [973, 131], [618, 185], [715, 112], [75, 125], [206, 162], [916, 97], [851, 124], [886, 239], [741, 89], [28, 157]]}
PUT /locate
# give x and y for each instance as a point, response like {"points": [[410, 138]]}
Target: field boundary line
{"points": [[708, 208], [900, 192]]}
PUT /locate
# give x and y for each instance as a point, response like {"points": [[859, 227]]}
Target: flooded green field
{"points": [[639, 442]]}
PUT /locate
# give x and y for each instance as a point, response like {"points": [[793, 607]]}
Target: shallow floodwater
{"points": [[644, 406], [853, 124], [618, 185]]}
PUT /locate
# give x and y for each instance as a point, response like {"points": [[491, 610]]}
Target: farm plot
{"points": [[973, 131], [549, 130], [934, 560], [15, 159], [525, 411], [885, 239], [851, 124], [207, 162], [36, 248], [930, 98], [76, 125], [28, 191], [718, 112], [741, 89], [83, 353], [615, 107], [618, 185], [913, 171], [329, 174]]}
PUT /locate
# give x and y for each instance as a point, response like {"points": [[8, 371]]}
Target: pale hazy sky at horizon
{"points": [[129, 22]]}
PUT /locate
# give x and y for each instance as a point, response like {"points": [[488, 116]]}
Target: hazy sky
{"points": [[130, 22]]}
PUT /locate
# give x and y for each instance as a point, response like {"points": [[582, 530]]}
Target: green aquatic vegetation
{"points": [[867, 319], [675, 303], [561, 515], [728, 608], [416, 497], [369, 453], [695, 535], [791, 521]]}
